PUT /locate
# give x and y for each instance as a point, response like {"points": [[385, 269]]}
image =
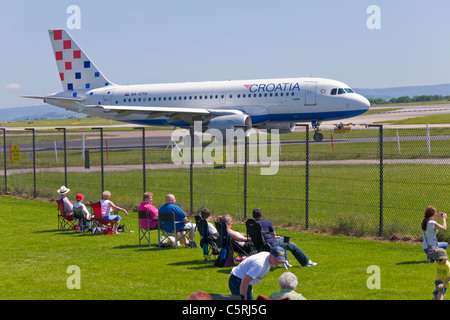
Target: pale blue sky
{"points": [[135, 42]]}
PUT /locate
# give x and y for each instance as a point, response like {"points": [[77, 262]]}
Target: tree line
{"points": [[406, 99]]}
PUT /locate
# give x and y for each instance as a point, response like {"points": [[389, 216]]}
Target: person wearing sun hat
{"points": [[68, 207], [252, 270], [442, 276]]}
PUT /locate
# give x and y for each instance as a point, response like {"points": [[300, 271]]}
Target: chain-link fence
{"points": [[358, 181]]}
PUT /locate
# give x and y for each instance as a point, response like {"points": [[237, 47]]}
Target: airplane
{"points": [[261, 103]]}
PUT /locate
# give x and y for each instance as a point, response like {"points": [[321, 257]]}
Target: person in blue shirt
{"points": [[180, 216], [274, 240]]}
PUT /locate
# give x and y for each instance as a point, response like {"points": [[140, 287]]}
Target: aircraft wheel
{"points": [[318, 137]]}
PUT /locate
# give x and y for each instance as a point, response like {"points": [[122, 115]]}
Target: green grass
{"points": [[35, 257], [421, 103], [435, 119], [379, 110], [70, 122]]}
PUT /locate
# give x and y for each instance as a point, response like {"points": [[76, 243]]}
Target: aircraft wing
{"points": [[188, 115]]}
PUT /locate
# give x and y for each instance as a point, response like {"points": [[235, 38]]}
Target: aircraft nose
{"points": [[363, 103]]}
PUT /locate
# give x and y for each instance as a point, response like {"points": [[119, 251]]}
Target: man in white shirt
{"points": [[252, 270]]}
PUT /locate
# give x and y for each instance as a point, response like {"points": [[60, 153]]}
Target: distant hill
{"points": [[37, 112], [389, 93]]}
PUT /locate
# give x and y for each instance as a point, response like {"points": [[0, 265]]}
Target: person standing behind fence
{"points": [[152, 211], [107, 207], [430, 228]]}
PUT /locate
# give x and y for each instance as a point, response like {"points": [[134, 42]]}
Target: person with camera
{"points": [[430, 227]]}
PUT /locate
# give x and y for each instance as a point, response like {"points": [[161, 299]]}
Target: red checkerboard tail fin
{"points": [[76, 70]]}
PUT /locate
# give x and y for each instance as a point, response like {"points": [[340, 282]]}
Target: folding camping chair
{"points": [[255, 232], [143, 215], [170, 219], [64, 222], [83, 223], [99, 222], [207, 242], [225, 258], [229, 248]]}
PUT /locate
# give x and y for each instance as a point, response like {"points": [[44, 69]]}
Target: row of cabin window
{"points": [[249, 95]]}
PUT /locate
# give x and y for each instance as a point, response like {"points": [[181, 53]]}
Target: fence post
{"points": [[307, 179], [34, 161], [380, 128], [143, 157], [101, 156], [4, 159], [191, 170], [245, 173], [65, 155], [306, 173]]}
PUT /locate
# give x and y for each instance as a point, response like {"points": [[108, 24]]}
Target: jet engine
{"points": [[232, 121]]}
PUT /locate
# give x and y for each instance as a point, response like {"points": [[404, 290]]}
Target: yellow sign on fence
{"points": [[15, 153], [219, 161]]}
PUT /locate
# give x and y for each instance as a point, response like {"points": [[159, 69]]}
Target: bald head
{"points": [[170, 198]]}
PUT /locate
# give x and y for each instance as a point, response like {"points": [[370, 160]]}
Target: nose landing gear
{"points": [[318, 137]]}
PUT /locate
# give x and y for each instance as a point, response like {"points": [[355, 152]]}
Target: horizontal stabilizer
{"points": [[54, 98]]}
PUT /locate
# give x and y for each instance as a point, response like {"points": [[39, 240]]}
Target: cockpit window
{"points": [[335, 91]]}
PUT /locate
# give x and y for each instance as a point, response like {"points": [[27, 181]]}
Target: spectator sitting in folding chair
{"points": [[146, 205], [170, 206], [68, 207], [86, 213], [273, 240], [241, 239], [212, 231], [107, 206]]}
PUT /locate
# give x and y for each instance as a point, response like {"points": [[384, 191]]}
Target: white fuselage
{"points": [[266, 101]]}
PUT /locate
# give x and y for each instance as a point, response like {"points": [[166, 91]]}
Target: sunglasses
{"points": [[441, 260]]}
